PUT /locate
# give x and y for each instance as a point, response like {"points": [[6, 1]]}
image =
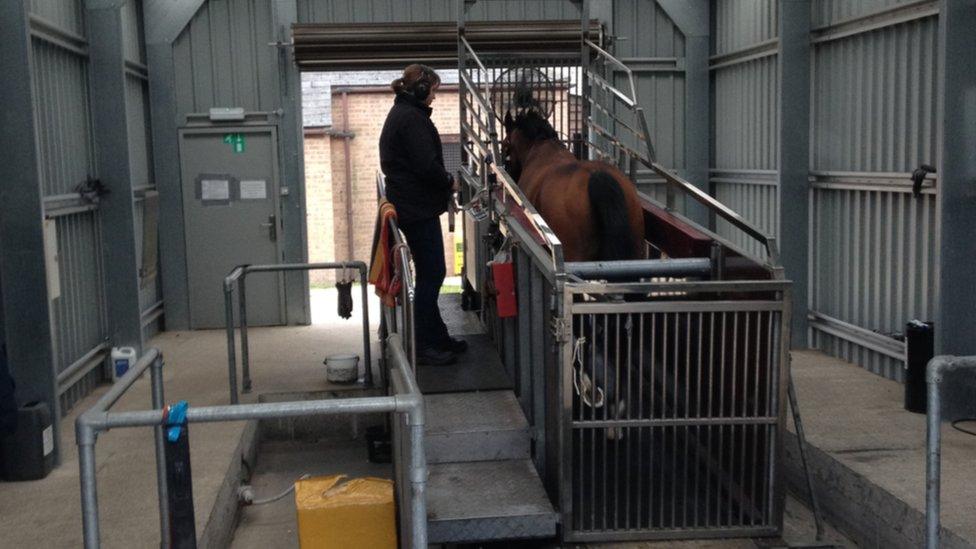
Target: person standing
{"points": [[420, 188]]}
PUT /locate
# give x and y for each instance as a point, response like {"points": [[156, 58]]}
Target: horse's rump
{"points": [[610, 217]]}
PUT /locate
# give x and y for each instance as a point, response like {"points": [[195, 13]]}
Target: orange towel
{"points": [[384, 271]]}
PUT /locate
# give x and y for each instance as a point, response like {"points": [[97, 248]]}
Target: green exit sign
{"points": [[236, 142]]}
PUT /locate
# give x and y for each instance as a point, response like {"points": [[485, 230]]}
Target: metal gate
{"points": [[657, 403]]}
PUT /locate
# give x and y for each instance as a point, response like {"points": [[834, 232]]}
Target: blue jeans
{"points": [[427, 247]]}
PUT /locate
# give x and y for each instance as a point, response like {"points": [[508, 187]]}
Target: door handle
{"points": [[272, 226]]}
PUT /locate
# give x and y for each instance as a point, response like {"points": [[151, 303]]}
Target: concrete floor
{"points": [[858, 419], [852, 415]]}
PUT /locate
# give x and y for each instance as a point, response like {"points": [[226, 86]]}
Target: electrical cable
{"points": [[273, 499], [960, 429]]}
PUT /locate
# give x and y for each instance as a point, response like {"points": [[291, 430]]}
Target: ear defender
{"points": [[421, 90]]}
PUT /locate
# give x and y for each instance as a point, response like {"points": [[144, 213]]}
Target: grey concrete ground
{"points": [[280, 463], [871, 455], [852, 415]]}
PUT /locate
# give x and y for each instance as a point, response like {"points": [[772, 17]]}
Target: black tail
{"points": [[610, 216]]}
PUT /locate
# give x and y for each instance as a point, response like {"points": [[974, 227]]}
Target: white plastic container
{"points": [[122, 359], [342, 368]]}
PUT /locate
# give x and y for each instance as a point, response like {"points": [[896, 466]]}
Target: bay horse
{"points": [[593, 209], [590, 205]]}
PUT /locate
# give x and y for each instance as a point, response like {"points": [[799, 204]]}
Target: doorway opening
{"points": [[343, 115]]}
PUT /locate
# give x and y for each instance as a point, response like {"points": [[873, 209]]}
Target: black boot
{"points": [[431, 356]]}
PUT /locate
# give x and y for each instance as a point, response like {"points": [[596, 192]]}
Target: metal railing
{"points": [[935, 374], [237, 277], [406, 401], [612, 374]]}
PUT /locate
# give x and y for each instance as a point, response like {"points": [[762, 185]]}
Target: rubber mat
{"points": [[478, 369]]}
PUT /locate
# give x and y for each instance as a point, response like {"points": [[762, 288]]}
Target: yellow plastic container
{"points": [[355, 513]]}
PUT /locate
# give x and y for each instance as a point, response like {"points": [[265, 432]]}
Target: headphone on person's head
{"points": [[421, 88]]}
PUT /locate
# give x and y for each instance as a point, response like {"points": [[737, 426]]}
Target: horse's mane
{"points": [[534, 126]]}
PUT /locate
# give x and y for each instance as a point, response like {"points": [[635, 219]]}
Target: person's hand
{"points": [[455, 185]]}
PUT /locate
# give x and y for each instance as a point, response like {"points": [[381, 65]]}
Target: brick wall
{"points": [[367, 110], [318, 196]]}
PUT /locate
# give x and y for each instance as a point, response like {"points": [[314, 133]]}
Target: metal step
{"points": [[482, 426], [487, 501]]}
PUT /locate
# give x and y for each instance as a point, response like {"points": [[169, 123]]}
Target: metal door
{"points": [[231, 217]]}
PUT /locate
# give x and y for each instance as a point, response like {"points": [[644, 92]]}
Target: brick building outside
{"points": [[353, 117]]}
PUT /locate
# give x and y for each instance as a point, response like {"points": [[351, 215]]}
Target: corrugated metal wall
{"points": [[873, 120], [383, 11], [654, 49], [63, 117], [745, 79], [222, 59], [140, 157], [873, 112]]}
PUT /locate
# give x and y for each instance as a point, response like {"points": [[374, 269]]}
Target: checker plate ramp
{"points": [[478, 369], [475, 427], [487, 500]]}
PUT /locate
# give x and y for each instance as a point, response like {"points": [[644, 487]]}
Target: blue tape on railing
{"points": [[176, 420]]}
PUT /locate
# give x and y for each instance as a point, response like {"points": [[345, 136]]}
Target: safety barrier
{"points": [[236, 279], [406, 402]]}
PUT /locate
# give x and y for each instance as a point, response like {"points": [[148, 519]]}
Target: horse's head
{"points": [[523, 132]]}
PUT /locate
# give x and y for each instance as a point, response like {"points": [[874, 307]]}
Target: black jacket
{"points": [[412, 159]]}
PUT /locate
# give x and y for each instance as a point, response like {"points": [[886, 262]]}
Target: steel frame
{"points": [[405, 400], [237, 279], [541, 339]]}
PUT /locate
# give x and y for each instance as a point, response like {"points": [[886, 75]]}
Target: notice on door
{"points": [[214, 189], [254, 189]]}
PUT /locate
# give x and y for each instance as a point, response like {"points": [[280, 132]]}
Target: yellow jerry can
{"points": [[355, 513]]}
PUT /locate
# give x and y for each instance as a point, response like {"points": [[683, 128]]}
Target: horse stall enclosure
{"points": [[655, 387]]}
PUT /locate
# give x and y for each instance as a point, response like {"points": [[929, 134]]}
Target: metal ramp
{"points": [[483, 485]]}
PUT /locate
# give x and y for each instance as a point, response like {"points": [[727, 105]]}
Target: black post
{"points": [[179, 488]]}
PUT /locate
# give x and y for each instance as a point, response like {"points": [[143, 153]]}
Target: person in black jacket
{"points": [[419, 187]]}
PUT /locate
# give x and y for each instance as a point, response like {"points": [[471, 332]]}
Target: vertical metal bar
{"points": [[640, 415], [664, 407], [674, 429], [231, 344], [742, 428], [156, 379], [630, 406], [686, 431], [933, 461], [367, 350], [606, 405], [733, 395], [698, 414], [617, 433], [418, 484], [592, 431], [89, 486], [245, 351]]}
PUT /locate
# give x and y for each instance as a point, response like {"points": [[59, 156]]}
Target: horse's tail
{"points": [[610, 217]]}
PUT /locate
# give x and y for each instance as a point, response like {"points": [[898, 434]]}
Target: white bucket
{"points": [[342, 368], [122, 359]]}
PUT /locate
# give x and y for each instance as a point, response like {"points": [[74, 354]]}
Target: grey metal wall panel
{"points": [[222, 59], [79, 313], [383, 11], [745, 136], [137, 119], [873, 245], [739, 24], [63, 117], [874, 99], [66, 14], [133, 37], [827, 12], [872, 260], [746, 122], [649, 32]]}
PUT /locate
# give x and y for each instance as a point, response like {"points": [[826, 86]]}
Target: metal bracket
{"points": [[562, 329]]}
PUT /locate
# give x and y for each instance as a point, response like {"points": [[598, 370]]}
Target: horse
{"points": [[591, 205], [594, 210]]}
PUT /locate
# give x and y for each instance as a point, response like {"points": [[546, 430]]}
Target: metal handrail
{"points": [[406, 400], [935, 374], [236, 279], [404, 323]]}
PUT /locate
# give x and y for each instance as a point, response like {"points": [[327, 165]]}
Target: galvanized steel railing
{"points": [[406, 400], [237, 278]]}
